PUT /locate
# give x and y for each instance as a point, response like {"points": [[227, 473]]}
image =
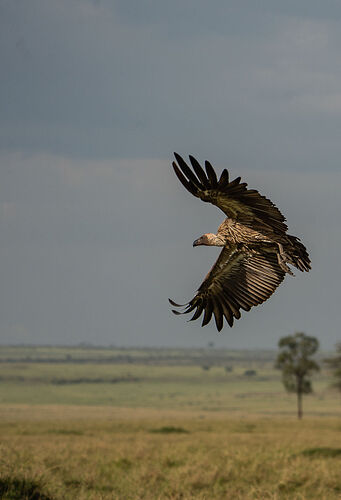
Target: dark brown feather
{"points": [[188, 172], [188, 185], [197, 313], [208, 312], [224, 179], [200, 172], [211, 174], [238, 280], [243, 205]]}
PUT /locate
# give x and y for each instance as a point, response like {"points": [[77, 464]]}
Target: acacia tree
{"points": [[335, 366], [296, 365]]}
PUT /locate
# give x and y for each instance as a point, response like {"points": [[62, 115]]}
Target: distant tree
{"points": [[250, 373], [296, 365], [228, 369], [334, 364], [206, 367]]}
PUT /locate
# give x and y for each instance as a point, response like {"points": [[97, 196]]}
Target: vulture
{"points": [[256, 248]]}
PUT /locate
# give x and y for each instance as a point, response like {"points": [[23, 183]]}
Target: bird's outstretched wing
{"points": [[246, 206], [239, 279]]}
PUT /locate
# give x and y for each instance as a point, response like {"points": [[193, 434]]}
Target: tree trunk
{"points": [[299, 405]]}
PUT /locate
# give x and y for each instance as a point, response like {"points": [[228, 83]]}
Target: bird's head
{"points": [[209, 239]]}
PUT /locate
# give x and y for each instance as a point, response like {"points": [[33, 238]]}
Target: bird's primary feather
{"points": [[239, 279], [246, 206]]}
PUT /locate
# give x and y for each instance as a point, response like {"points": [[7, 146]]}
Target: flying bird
{"points": [[256, 247]]}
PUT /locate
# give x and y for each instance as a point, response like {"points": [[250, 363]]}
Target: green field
{"points": [[88, 423]]}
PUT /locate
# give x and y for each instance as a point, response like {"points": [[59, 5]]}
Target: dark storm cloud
{"points": [[95, 96], [111, 79]]}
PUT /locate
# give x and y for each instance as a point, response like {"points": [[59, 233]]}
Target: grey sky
{"points": [[95, 96]]}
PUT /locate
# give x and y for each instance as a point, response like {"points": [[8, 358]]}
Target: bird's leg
{"points": [[282, 260]]}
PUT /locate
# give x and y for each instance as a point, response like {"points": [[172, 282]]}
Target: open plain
{"points": [[92, 423]]}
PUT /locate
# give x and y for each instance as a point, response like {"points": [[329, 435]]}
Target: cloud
{"points": [[117, 80]]}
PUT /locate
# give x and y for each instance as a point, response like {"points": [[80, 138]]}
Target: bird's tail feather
{"points": [[297, 254]]}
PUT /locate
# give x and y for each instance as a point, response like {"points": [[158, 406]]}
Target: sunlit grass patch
{"points": [[244, 427], [169, 380]]}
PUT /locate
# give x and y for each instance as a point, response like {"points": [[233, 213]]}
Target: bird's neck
{"points": [[214, 240]]}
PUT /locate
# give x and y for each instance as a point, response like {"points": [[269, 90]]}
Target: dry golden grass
{"points": [[152, 430], [69, 452]]}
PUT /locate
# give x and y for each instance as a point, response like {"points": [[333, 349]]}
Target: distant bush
{"points": [[66, 432], [206, 367], [98, 380], [170, 430], [228, 369], [250, 373], [321, 452]]}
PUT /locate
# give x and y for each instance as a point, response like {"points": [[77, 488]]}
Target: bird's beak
{"points": [[196, 242]]}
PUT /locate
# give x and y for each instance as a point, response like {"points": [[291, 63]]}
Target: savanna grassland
{"points": [[91, 423]]}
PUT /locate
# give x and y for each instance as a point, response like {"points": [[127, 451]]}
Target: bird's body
{"points": [[256, 247], [287, 247], [235, 232]]}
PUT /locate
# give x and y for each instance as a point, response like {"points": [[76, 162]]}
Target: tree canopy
{"points": [[294, 359]]}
